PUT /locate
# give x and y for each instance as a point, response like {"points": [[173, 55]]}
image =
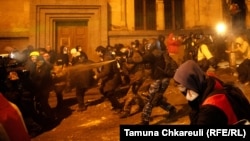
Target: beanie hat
{"points": [[73, 51], [34, 53]]}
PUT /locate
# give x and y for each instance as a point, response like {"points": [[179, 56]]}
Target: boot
{"points": [[82, 108], [172, 112], [59, 97], [124, 114], [116, 110]]}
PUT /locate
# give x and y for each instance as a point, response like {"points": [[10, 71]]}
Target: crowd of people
{"points": [[146, 67]]}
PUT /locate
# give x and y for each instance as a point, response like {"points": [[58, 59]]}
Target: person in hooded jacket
{"points": [[212, 101]]}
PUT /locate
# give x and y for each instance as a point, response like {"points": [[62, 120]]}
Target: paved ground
{"points": [[99, 123]]}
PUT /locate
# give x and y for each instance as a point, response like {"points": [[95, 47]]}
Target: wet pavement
{"points": [[99, 123]]}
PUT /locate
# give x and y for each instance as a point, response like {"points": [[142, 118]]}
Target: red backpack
{"points": [[232, 102]]}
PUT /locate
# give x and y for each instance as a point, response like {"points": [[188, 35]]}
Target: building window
{"points": [[174, 16], [145, 14]]}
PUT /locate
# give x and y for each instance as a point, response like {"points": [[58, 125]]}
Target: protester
{"points": [[158, 60], [205, 57], [242, 49], [189, 48], [52, 53], [63, 55], [212, 101], [59, 75], [173, 47], [238, 10], [41, 79], [110, 78], [138, 73], [81, 79]]}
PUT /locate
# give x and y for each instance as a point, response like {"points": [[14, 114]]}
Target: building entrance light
{"points": [[221, 28]]}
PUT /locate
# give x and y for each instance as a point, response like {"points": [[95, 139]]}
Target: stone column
{"points": [[130, 15], [118, 10], [160, 18]]}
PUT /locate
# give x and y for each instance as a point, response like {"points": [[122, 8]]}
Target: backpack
{"points": [[240, 104], [235, 105]]}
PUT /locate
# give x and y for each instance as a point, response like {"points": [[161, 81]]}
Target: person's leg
{"points": [[168, 107], [59, 88], [242, 71], [47, 117], [163, 101], [59, 97], [80, 99], [129, 100], [147, 109], [146, 113], [116, 105], [44, 101], [153, 98]]}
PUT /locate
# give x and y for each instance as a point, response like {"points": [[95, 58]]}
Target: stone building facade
{"points": [[91, 23]]}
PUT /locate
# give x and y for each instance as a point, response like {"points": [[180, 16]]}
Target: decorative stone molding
{"points": [[118, 27], [45, 17]]}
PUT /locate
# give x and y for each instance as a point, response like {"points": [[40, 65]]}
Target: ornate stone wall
{"points": [[44, 15], [25, 22]]}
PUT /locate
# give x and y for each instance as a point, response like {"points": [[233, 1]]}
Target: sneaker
{"points": [[124, 114], [81, 109], [116, 110]]}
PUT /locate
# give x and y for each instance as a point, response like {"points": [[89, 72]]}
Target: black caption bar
{"points": [[128, 132]]}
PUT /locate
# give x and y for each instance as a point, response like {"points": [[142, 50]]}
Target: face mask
{"points": [[191, 95], [181, 88]]}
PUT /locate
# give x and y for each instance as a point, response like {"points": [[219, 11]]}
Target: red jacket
{"points": [[12, 121], [172, 44]]}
